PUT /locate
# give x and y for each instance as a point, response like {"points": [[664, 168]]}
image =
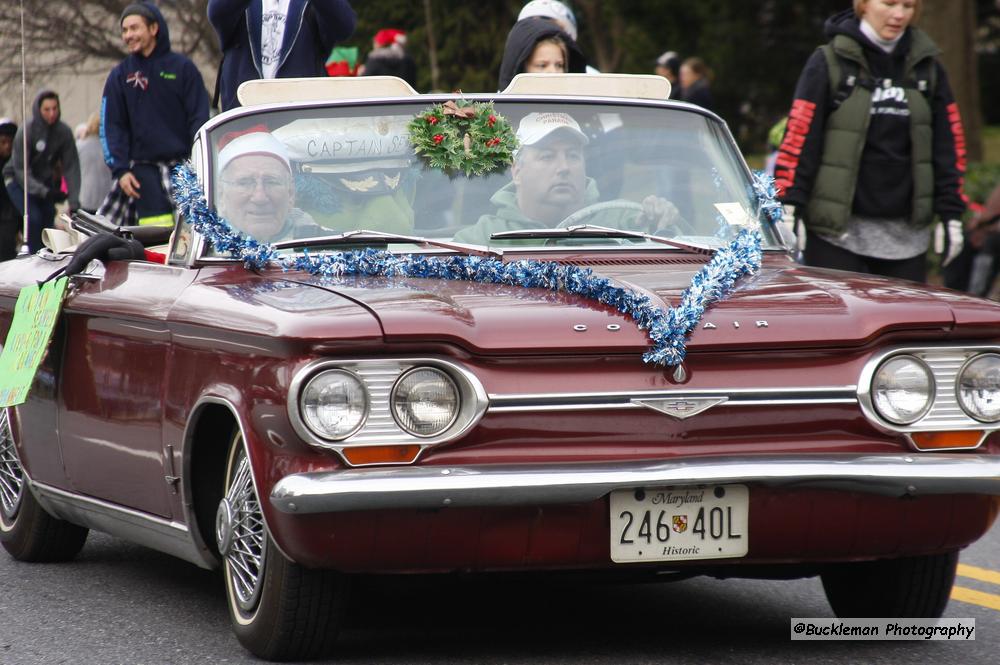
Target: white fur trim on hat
{"points": [[256, 143]]}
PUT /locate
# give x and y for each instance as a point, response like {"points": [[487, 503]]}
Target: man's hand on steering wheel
{"points": [[657, 214]]}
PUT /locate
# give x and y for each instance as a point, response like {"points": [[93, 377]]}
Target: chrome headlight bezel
{"points": [[379, 377], [945, 414], [969, 411], [917, 364]]}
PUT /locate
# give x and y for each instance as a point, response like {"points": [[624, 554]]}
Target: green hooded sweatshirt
{"points": [[509, 217]]}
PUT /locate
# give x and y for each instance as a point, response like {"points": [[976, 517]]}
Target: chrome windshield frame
{"points": [[198, 252]]}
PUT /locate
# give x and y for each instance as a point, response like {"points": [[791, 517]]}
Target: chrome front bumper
{"points": [[436, 486]]}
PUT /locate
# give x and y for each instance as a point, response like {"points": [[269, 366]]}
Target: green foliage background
{"points": [[756, 48]]}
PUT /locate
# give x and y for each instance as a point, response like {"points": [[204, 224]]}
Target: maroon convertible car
{"points": [[374, 376]]}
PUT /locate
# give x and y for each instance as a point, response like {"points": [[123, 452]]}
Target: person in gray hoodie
{"points": [[94, 172], [52, 157]]}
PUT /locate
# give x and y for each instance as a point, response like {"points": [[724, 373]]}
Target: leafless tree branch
{"points": [[83, 35]]}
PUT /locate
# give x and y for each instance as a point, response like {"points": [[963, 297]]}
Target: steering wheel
{"points": [[593, 209], [678, 224]]}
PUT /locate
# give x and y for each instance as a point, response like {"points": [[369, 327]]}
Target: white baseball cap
{"points": [[536, 126], [551, 9], [254, 143]]}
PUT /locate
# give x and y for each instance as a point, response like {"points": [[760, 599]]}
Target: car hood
{"points": [[783, 305]]}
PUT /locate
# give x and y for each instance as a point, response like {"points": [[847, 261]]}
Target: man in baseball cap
{"points": [[549, 183], [549, 171]]}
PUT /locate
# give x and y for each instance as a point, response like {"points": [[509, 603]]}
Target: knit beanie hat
{"points": [[139, 8]]}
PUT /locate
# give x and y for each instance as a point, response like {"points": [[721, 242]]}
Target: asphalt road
{"points": [[119, 603]]}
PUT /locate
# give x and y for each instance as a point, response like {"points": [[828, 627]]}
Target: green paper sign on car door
{"points": [[34, 320]]}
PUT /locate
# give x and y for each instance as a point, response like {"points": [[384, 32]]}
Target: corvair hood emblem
{"points": [[681, 407], [736, 324]]}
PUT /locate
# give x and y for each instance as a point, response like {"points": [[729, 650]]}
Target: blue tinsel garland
{"points": [[667, 329]]}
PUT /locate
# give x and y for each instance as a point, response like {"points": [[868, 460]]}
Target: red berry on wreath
{"points": [[438, 138], [492, 120], [431, 119]]}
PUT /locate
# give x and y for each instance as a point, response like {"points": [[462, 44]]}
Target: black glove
{"points": [[104, 247]]}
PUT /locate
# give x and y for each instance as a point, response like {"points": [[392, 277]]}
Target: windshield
{"points": [[623, 170]]}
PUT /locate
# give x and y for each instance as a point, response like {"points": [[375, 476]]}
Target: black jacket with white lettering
{"points": [[885, 175]]}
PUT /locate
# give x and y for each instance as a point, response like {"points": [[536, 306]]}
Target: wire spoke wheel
{"points": [[241, 535], [11, 473], [278, 609], [27, 532]]}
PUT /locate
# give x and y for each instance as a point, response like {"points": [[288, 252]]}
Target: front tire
{"points": [[278, 609], [27, 532], [912, 587]]}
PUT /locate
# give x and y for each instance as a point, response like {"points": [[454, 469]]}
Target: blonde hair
{"points": [[93, 124], [859, 8]]}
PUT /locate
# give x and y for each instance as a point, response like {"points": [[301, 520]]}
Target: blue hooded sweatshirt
{"points": [[152, 106], [311, 30]]}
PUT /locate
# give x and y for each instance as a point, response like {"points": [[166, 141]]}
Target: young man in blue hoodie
{"points": [[154, 102]]}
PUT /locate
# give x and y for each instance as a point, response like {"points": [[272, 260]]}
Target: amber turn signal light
{"points": [[945, 440], [361, 455]]}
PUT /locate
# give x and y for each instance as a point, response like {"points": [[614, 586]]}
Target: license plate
{"points": [[678, 523]]}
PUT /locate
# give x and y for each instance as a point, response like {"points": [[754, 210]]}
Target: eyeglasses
{"points": [[248, 184]]}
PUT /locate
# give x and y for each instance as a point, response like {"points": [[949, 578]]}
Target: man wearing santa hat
{"points": [[257, 191]]}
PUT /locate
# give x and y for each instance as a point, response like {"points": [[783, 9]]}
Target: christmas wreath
{"points": [[470, 137]]}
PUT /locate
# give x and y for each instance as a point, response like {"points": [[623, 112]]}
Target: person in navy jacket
{"points": [[275, 39], [154, 102]]}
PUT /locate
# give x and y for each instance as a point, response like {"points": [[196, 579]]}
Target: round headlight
{"points": [[978, 388], [425, 401], [334, 404], [903, 390]]}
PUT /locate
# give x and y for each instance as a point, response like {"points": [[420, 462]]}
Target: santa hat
{"points": [[256, 141], [390, 36]]}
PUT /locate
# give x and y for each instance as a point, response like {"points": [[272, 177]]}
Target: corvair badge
{"points": [[682, 407], [736, 324]]}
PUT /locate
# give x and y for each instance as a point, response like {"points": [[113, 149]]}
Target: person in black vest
{"points": [[874, 147]]}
